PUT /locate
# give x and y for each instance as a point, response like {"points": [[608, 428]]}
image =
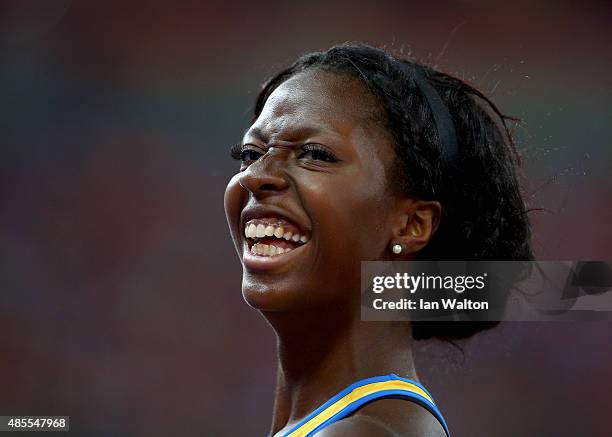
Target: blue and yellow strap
{"points": [[360, 393]]}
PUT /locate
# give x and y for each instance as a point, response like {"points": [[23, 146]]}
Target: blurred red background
{"points": [[120, 298]]}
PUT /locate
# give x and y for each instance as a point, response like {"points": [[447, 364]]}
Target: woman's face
{"points": [[314, 170]]}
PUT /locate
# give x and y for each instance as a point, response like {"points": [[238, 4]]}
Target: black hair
{"points": [[483, 213]]}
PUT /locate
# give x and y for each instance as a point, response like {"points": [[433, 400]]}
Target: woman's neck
{"points": [[321, 352]]}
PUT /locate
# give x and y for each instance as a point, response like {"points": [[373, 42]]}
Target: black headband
{"points": [[442, 118]]}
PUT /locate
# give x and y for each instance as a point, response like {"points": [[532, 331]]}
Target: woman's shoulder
{"points": [[387, 418], [357, 426]]}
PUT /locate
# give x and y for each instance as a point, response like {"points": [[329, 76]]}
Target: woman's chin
{"points": [[273, 297]]}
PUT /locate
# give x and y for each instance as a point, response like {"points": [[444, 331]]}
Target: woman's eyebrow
{"points": [[291, 134], [257, 133]]}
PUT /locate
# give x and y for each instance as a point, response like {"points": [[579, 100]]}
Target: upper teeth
{"points": [[260, 230]]}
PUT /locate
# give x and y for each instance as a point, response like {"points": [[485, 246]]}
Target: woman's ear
{"points": [[416, 223]]}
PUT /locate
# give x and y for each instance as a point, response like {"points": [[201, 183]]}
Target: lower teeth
{"points": [[268, 250]]}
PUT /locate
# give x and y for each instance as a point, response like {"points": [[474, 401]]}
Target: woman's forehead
{"points": [[315, 100]]}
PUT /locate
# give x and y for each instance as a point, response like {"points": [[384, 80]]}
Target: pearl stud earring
{"points": [[396, 248]]}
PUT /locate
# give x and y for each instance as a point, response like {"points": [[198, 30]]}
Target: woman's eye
{"points": [[309, 152], [249, 155], [244, 154], [317, 153]]}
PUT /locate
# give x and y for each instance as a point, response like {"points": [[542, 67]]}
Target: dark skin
{"points": [[339, 194]]}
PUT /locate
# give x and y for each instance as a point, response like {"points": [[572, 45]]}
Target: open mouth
{"points": [[273, 237]]}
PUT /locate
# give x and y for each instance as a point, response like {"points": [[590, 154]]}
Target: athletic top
{"points": [[360, 393]]}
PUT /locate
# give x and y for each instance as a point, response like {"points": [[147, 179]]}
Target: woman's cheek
{"points": [[232, 201], [231, 198]]}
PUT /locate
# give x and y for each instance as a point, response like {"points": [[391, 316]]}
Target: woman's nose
{"points": [[266, 175]]}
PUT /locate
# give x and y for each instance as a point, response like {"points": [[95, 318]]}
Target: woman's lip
{"points": [[257, 262]]}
